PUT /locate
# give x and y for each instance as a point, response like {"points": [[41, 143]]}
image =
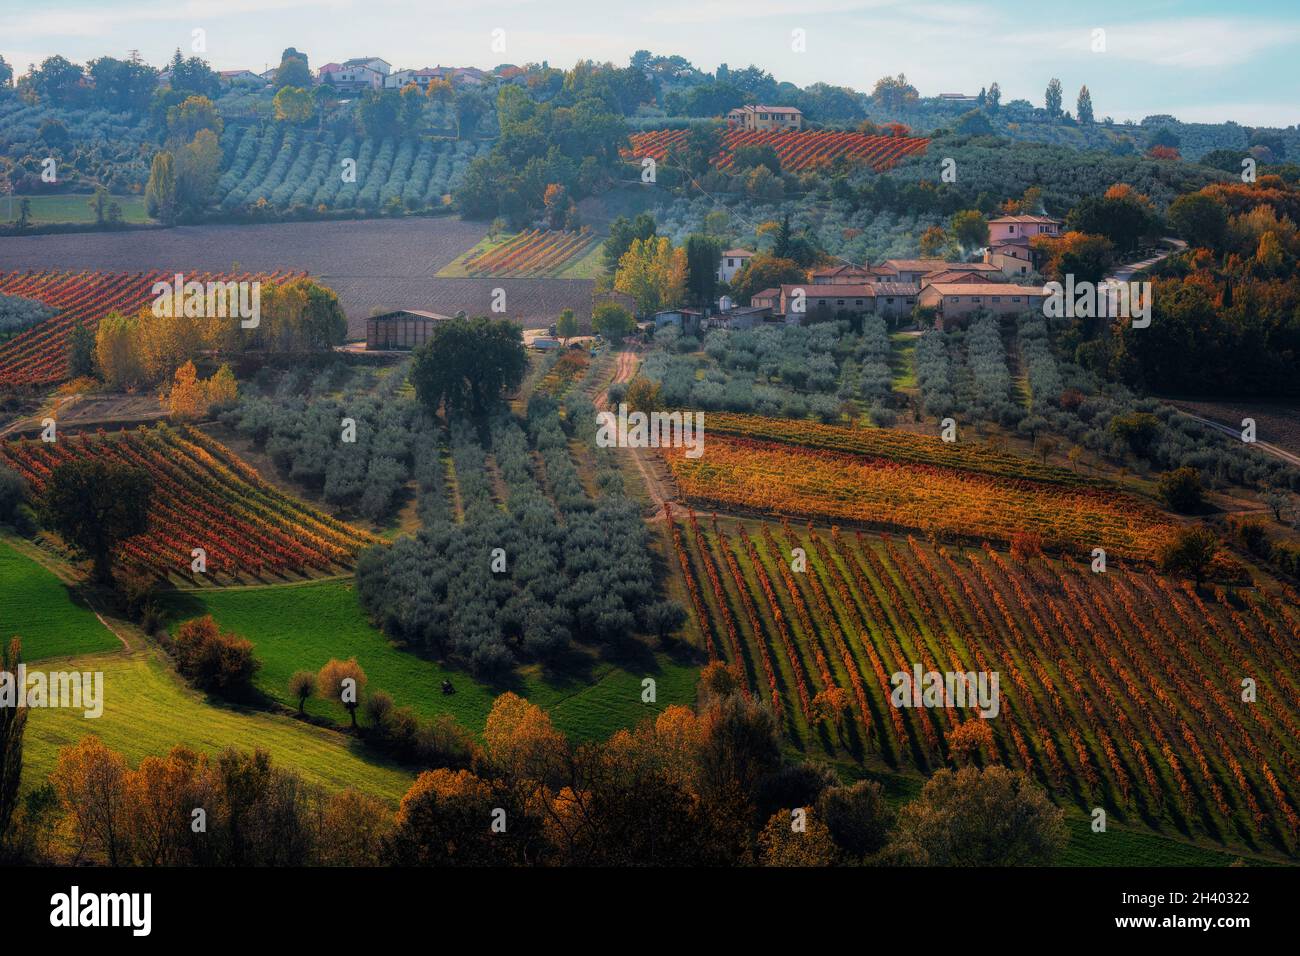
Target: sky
{"points": [[1201, 61]]}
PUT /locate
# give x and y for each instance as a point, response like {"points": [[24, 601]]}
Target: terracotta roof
{"points": [[739, 253], [985, 288], [1044, 220], [765, 294], [842, 270], [915, 265], [845, 291]]}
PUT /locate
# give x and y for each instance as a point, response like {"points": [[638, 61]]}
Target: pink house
{"points": [[1011, 228]]}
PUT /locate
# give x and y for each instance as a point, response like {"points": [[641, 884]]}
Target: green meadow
{"points": [[301, 626], [43, 611]]}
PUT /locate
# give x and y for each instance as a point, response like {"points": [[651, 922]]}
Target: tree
{"points": [[1276, 502], [1201, 219], [1189, 551], [622, 233], [933, 243], [13, 722], [90, 780], [292, 71], [1052, 99], [703, 256], [294, 105], [221, 388], [653, 273], [780, 844], [857, 816], [185, 400], [58, 81], [1181, 490], [411, 113], [214, 660], [116, 352], [81, 350], [1083, 109], [765, 272], [379, 113], [6, 75], [566, 326], [445, 819], [95, 506], [612, 321], [302, 685], [192, 114], [664, 617], [970, 229], [161, 192], [468, 363], [994, 97], [894, 93], [342, 683], [197, 165], [989, 817]]}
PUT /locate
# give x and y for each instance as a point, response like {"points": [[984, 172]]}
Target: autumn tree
{"points": [[354, 829], [766, 272], [342, 683], [934, 242], [1189, 551], [185, 400], [90, 780], [653, 273], [445, 819], [213, 660], [302, 684], [783, 842], [294, 105], [96, 505], [1181, 489], [521, 742]]}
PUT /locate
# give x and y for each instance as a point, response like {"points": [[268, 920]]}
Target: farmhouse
{"points": [[842, 275], [402, 329], [1012, 258], [760, 117], [738, 318], [354, 76], [908, 270], [767, 299], [954, 302], [1006, 228], [886, 298], [733, 260], [240, 78], [964, 272]]}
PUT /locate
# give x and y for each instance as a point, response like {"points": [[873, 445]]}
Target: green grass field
{"points": [[904, 363], [300, 627], [69, 208], [43, 611], [146, 711]]}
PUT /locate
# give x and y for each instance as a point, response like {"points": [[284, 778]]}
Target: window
{"points": [[1015, 298], [976, 298], [997, 298], [839, 301], [857, 301]]}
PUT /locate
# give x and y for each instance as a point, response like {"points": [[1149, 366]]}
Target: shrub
{"points": [[1181, 489], [213, 660]]}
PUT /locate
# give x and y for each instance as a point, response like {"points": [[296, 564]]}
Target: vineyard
{"points": [[536, 253], [290, 167], [796, 150], [39, 355], [779, 479], [203, 497], [1117, 690]]}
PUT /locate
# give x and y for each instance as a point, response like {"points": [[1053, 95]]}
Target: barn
{"points": [[402, 329]]}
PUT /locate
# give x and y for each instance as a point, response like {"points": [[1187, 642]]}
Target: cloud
{"points": [[1192, 43], [743, 11], [91, 21]]}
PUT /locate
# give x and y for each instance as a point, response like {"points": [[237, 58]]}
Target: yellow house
{"points": [[770, 118]]}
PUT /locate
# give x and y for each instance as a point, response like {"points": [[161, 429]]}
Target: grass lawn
{"points": [[301, 626], [38, 607], [71, 207], [146, 711], [904, 363]]}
